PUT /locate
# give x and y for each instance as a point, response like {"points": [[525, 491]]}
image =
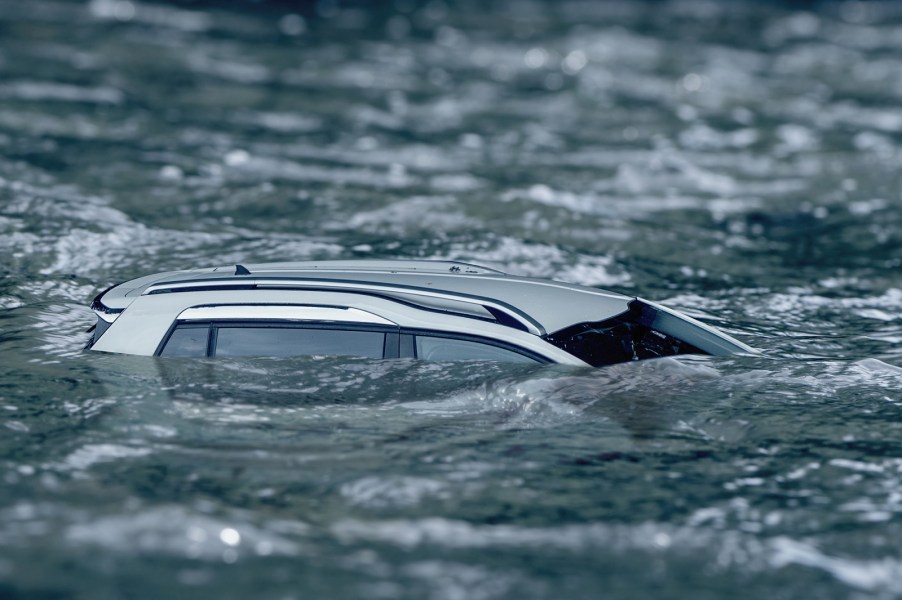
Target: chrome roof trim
{"points": [[423, 267], [281, 312], [383, 289]]}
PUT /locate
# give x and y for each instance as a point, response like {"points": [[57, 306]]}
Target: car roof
{"points": [[537, 305]]}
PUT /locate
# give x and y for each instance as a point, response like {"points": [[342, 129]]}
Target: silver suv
{"points": [[441, 311]]}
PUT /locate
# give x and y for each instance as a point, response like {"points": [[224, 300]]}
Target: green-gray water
{"points": [[737, 160]]}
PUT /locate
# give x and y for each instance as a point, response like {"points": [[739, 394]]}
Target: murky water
{"points": [[740, 161]]}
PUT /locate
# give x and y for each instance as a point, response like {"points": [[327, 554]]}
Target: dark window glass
{"points": [[450, 349], [187, 341], [296, 341], [406, 347]]}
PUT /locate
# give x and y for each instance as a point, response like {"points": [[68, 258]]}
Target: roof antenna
{"points": [[241, 270]]}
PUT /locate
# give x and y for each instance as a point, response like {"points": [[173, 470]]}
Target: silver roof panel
{"points": [[550, 305]]}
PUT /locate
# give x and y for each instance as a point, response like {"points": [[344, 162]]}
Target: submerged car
{"points": [[432, 310]]}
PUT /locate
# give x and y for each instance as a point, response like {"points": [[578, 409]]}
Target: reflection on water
{"points": [[739, 162]]}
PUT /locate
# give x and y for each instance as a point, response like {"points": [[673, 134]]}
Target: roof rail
{"points": [[504, 313]]}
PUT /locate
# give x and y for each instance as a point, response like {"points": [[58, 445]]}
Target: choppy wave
{"points": [[737, 161]]}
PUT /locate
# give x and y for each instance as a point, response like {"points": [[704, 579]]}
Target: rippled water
{"points": [[739, 161]]}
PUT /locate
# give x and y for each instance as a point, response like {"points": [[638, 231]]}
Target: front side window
{"points": [[443, 349], [297, 341]]}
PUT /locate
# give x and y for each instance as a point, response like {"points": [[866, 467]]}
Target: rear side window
{"points": [[187, 340], [296, 341], [443, 349]]}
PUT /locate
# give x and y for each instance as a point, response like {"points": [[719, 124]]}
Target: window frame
{"points": [[399, 342]]}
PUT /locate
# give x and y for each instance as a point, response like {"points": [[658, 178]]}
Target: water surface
{"points": [[739, 161]]}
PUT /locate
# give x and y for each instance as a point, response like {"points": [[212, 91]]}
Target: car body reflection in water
{"points": [[291, 394]]}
